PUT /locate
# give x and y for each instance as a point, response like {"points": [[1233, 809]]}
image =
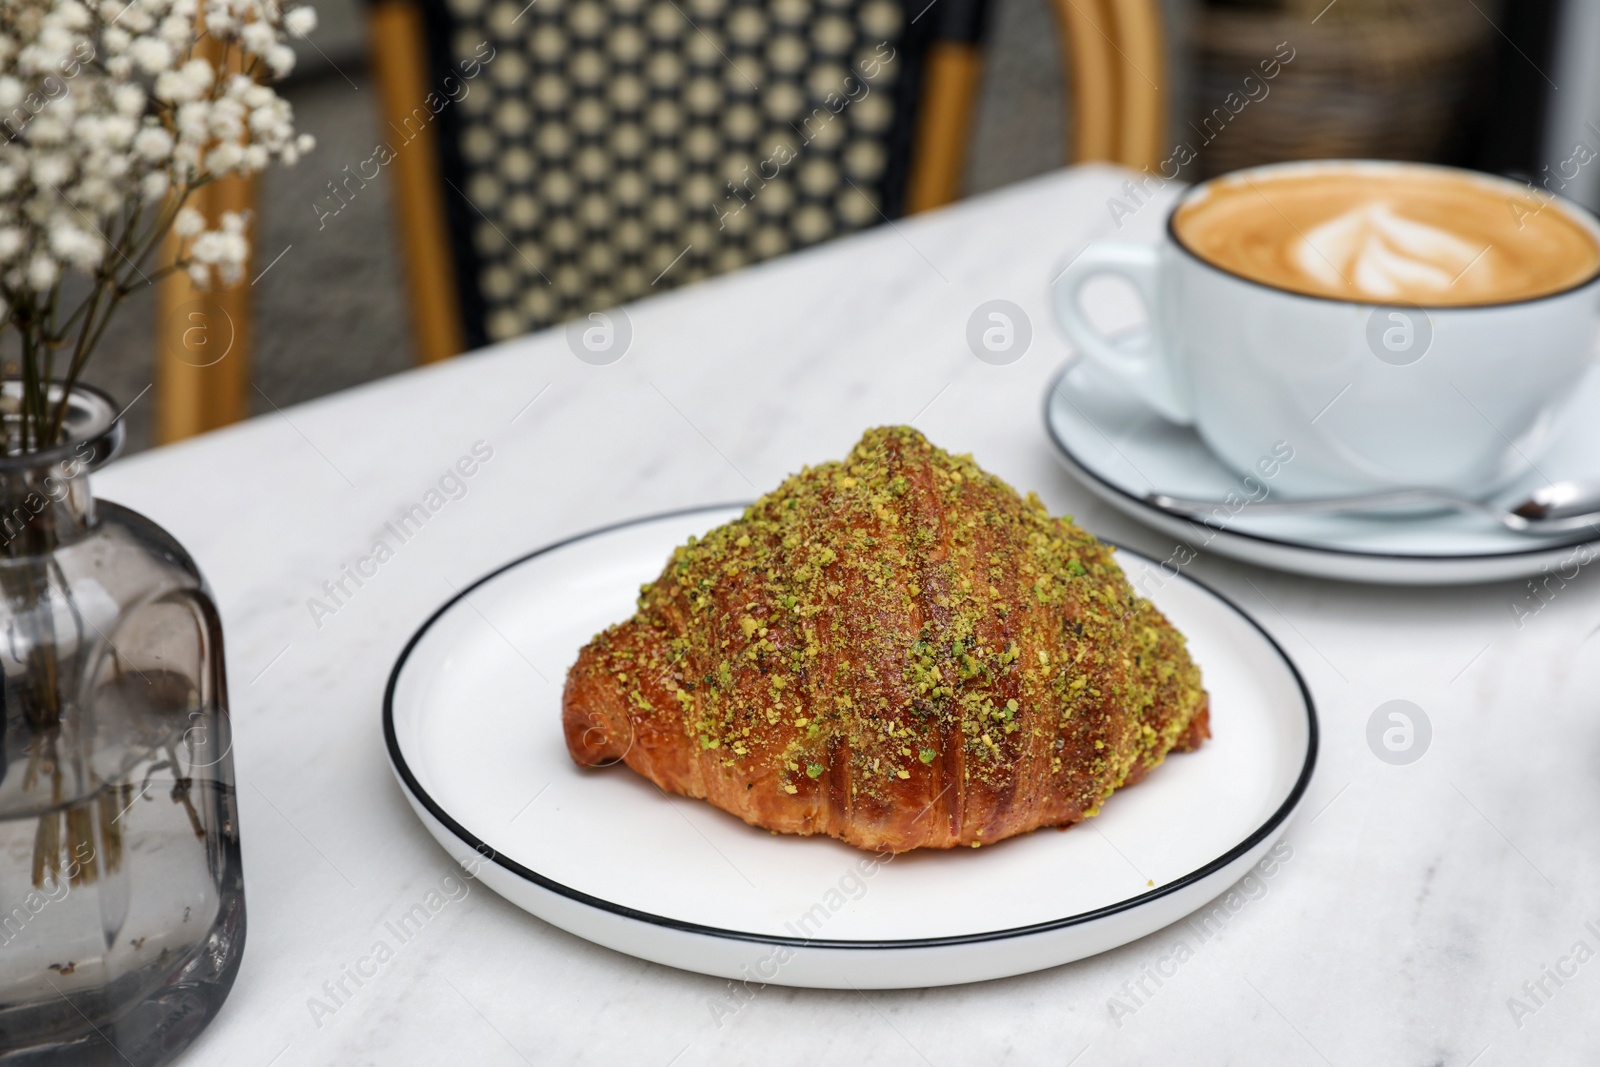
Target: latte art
{"points": [[1382, 254], [1401, 235]]}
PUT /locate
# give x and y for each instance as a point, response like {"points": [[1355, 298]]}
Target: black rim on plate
{"points": [[1088, 474], [403, 770]]}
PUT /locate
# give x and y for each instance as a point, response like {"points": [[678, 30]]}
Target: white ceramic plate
{"points": [[473, 726], [1121, 450]]}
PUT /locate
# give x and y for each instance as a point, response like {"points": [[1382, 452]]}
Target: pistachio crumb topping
{"points": [[913, 615]]}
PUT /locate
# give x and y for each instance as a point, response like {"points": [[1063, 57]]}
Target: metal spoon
{"points": [[1558, 508]]}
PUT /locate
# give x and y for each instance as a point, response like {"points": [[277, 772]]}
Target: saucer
{"points": [[1121, 450]]}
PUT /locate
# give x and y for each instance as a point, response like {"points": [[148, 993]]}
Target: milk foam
{"points": [[1382, 254], [1389, 233]]}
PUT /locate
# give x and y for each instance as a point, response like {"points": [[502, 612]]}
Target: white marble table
{"points": [[1417, 901]]}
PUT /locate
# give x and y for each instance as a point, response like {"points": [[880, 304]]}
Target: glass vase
{"points": [[121, 900]]}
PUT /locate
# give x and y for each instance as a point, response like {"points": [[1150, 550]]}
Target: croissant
{"points": [[896, 650]]}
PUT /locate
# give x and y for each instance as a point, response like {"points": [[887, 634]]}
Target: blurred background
{"points": [[1510, 88]]}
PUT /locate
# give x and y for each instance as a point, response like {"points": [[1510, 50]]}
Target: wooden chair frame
{"points": [[202, 357], [1115, 56]]}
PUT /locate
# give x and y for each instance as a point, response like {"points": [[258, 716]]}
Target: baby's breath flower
{"points": [[280, 57], [128, 99], [118, 130], [153, 143], [301, 21], [75, 245], [136, 19], [74, 16], [258, 38], [113, 111], [52, 170], [188, 222], [208, 247], [154, 186], [43, 272], [151, 53], [176, 30], [225, 157]]}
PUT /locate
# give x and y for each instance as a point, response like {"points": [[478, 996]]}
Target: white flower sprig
{"points": [[112, 113]]}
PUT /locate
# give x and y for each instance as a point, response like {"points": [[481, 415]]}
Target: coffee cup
{"points": [[1398, 325]]}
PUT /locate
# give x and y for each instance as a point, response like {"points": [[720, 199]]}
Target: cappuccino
{"points": [[1388, 234]]}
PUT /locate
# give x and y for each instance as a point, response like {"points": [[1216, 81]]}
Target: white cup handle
{"points": [[1147, 368]]}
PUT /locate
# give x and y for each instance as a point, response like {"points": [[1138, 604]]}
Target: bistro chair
{"points": [[555, 157]]}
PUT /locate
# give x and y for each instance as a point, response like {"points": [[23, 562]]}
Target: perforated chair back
{"points": [[564, 156], [594, 151]]}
